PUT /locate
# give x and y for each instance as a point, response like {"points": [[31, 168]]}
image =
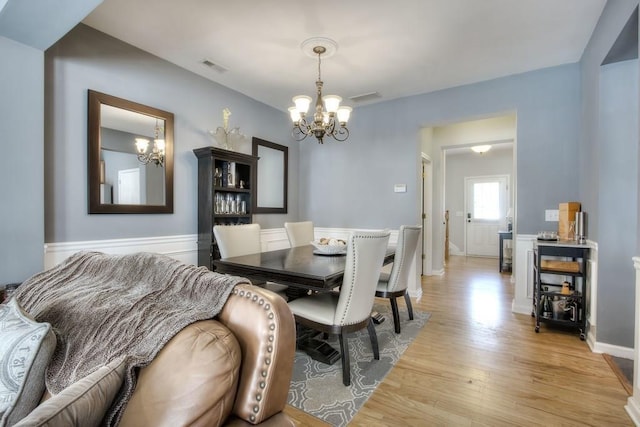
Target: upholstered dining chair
{"points": [[349, 310], [394, 284], [237, 240], [299, 233]]}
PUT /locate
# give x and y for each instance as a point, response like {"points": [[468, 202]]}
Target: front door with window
{"points": [[486, 206]]}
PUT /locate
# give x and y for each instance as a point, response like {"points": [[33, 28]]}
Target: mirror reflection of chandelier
{"points": [[156, 155], [328, 121]]}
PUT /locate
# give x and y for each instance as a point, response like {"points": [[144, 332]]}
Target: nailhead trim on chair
{"points": [[354, 265], [269, 347], [402, 258]]}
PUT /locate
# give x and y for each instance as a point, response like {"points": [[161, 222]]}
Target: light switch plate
{"points": [[400, 188], [551, 215]]}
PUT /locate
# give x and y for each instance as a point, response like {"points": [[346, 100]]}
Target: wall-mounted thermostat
{"points": [[400, 188]]}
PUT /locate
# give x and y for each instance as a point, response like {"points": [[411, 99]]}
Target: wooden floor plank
{"points": [[476, 363]]}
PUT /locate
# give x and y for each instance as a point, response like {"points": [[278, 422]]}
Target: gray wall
{"points": [[87, 59], [351, 184], [21, 162], [27, 27], [608, 172]]}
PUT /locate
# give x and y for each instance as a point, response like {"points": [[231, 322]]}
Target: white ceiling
{"points": [[396, 48]]}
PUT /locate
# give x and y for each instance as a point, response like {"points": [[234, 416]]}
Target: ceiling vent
{"points": [[365, 97], [217, 67]]}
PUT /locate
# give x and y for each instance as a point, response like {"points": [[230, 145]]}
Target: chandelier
{"points": [[156, 155], [328, 121]]}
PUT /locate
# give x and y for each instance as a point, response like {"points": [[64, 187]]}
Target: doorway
{"points": [[129, 186], [486, 201], [427, 217], [449, 148]]}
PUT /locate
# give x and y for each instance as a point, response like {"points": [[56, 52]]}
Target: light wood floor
{"points": [[475, 363]]}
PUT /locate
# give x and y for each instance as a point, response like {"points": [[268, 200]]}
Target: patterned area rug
{"points": [[317, 389]]}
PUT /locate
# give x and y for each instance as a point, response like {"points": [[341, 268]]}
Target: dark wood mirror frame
{"points": [[274, 186], [96, 99]]}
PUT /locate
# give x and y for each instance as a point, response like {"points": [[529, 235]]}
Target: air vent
{"points": [[217, 67], [365, 97]]}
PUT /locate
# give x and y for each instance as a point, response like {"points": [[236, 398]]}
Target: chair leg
{"points": [[374, 339], [396, 314], [409, 306], [344, 350]]}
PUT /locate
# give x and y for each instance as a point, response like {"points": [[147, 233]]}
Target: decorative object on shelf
{"points": [[156, 156], [481, 149], [226, 138], [330, 122]]}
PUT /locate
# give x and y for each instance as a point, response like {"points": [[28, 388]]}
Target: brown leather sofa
{"points": [[234, 370]]}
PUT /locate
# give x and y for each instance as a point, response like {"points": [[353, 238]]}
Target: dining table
{"points": [[302, 269]]}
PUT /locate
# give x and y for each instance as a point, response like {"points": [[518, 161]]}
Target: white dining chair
{"points": [[237, 240], [394, 284], [349, 310], [299, 233]]}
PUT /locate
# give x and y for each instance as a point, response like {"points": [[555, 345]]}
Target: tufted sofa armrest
{"points": [[265, 329]]}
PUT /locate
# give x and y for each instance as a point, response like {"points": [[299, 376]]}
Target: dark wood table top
{"points": [[297, 267]]}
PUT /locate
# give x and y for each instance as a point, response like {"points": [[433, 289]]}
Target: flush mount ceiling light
{"points": [[156, 155], [481, 148], [330, 120]]}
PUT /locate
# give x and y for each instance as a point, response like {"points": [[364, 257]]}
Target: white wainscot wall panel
{"points": [[182, 248], [633, 403]]}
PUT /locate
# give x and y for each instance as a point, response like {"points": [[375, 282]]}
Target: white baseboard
{"points": [[614, 350], [633, 409], [521, 308], [439, 272]]}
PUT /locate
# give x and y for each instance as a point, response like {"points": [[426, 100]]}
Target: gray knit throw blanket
{"points": [[105, 307]]}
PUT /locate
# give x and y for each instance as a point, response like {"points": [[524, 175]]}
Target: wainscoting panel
{"points": [[633, 403], [523, 272], [182, 248]]}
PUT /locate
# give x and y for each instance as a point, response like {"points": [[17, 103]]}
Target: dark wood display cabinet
{"points": [[226, 195], [561, 288]]}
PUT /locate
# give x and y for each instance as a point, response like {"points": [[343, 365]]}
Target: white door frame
{"points": [[427, 209]]}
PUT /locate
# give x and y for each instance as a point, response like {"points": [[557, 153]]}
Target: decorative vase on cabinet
{"points": [[226, 185]]}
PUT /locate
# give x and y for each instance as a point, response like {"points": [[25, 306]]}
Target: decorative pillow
{"points": [[83, 403], [26, 347]]}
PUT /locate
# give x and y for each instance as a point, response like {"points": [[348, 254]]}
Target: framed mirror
{"points": [[130, 149], [271, 178]]}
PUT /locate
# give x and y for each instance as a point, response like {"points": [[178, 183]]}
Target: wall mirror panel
{"points": [[130, 163], [271, 176]]}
